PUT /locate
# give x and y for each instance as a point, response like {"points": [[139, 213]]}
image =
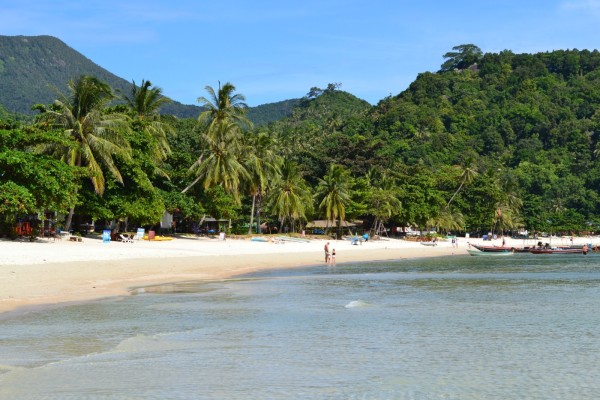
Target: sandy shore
{"points": [[50, 272]]}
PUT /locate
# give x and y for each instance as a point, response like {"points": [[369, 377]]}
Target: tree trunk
{"points": [[252, 214], [69, 219], [191, 184], [258, 211], [455, 193]]}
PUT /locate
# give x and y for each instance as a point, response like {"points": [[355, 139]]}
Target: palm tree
{"points": [[333, 194], [506, 218], [223, 120], [508, 206], [144, 103], [467, 176], [223, 105], [381, 198], [289, 197], [97, 135], [263, 165], [448, 220], [220, 165]]}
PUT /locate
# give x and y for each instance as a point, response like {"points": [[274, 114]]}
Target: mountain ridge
{"points": [[33, 69]]}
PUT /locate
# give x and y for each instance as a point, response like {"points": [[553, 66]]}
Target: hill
{"points": [[33, 68]]}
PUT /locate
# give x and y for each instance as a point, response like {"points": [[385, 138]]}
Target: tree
{"points": [[263, 166], [333, 194], [220, 165], [97, 135], [381, 198], [467, 176], [144, 103], [223, 119], [32, 183], [224, 105], [290, 198], [447, 219], [464, 56]]}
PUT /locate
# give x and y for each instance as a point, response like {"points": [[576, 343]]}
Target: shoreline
{"points": [[52, 273]]}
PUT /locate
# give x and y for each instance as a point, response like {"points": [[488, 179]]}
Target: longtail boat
{"points": [[489, 253], [559, 250]]}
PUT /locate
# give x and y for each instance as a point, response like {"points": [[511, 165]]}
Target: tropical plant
{"points": [[467, 176], [144, 103], [223, 105], [463, 56], [220, 164], [333, 194], [447, 220], [263, 166], [97, 135], [289, 198]]}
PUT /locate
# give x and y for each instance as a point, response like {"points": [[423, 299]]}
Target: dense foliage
{"points": [[492, 142]]}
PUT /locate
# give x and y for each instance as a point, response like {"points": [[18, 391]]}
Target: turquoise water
{"points": [[519, 327]]}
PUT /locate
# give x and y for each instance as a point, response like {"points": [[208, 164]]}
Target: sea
{"points": [[515, 327]]}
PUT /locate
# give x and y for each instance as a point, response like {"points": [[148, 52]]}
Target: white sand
{"points": [[50, 272]]}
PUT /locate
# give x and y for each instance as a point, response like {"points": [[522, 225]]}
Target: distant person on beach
{"points": [[326, 252], [332, 257]]}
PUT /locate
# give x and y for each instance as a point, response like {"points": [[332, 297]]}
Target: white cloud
{"points": [[582, 5]]}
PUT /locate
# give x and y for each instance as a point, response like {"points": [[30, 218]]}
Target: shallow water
{"points": [[523, 327]]}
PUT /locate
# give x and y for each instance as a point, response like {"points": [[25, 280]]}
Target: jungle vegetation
{"points": [[490, 142]]}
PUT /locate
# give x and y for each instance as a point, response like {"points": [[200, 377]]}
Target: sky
{"points": [[278, 50]]}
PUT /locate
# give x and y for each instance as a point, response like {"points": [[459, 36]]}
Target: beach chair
{"points": [[355, 241], [125, 238]]}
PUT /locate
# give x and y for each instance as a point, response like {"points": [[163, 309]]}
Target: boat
{"points": [[291, 239], [489, 253], [559, 250], [496, 249], [428, 243]]}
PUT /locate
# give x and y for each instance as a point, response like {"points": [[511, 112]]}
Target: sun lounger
{"points": [[125, 238]]}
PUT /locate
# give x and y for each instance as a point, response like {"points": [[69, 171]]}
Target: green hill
{"points": [[32, 68]]}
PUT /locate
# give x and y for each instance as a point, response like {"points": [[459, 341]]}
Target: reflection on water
{"points": [[452, 328]]}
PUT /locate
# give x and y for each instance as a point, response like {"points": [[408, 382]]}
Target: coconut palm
{"points": [[97, 135], [467, 176], [290, 197], [506, 218], [381, 199], [220, 164], [144, 103], [447, 220], [263, 165], [333, 194], [223, 121], [223, 105]]}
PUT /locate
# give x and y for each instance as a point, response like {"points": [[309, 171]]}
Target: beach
{"points": [[420, 322], [51, 271], [47, 271]]}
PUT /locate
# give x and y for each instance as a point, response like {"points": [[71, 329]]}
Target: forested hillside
{"points": [[32, 66], [522, 130], [491, 142]]}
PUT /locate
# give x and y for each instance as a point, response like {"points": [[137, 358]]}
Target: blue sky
{"points": [[277, 50]]}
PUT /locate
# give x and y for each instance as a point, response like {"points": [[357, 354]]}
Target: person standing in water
{"points": [[326, 252]]}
